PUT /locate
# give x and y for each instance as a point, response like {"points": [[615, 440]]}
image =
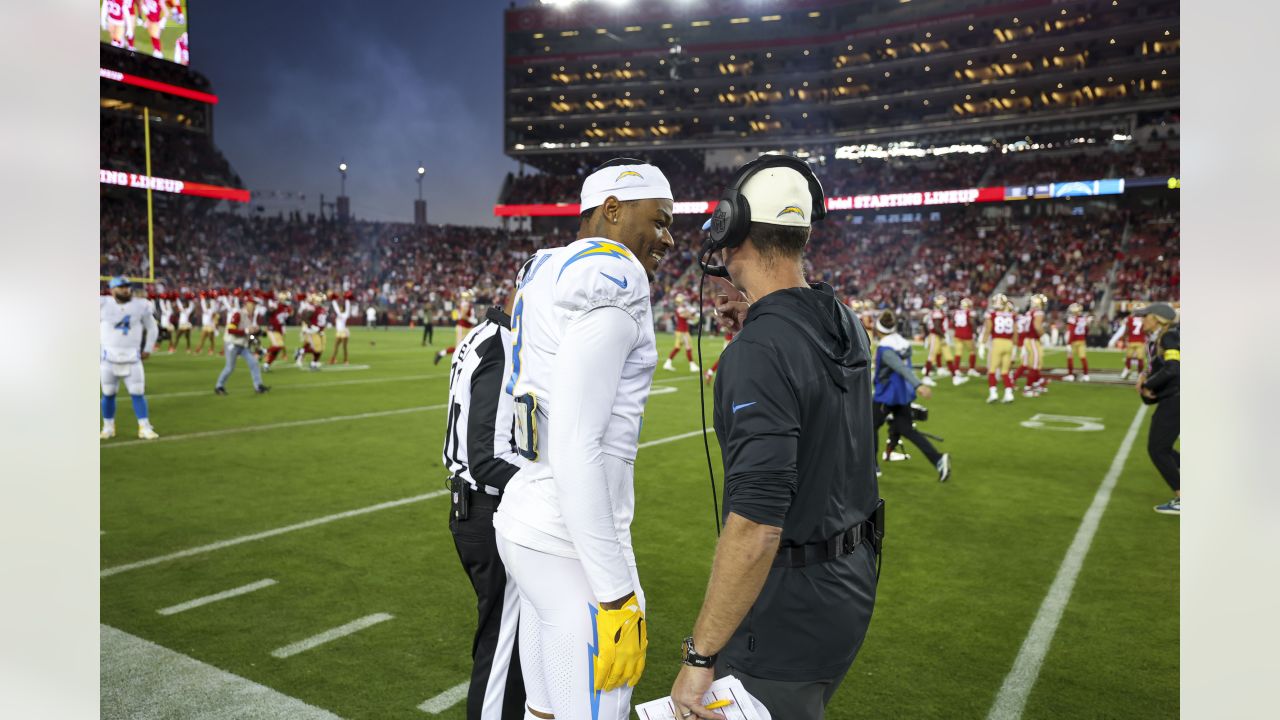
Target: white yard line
{"points": [[445, 700], [304, 386], [341, 631], [673, 438], [335, 368], [143, 681], [268, 533], [1017, 686], [272, 426], [233, 592], [211, 547]]}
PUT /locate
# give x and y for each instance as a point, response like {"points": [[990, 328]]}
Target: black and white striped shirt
{"points": [[478, 445]]}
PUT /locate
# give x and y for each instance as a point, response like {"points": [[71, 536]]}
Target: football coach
{"points": [[794, 577]]}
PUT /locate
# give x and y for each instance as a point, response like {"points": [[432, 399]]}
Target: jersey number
{"points": [[962, 319], [123, 325], [1002, 324]]}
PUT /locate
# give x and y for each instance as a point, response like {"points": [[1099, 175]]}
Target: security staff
{"points": [[895, 388], [481, 455], [1159, 386], [794, 577]]}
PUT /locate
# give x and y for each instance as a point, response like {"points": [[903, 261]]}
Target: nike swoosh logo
{"points": [[620, 283], [736, 408]]}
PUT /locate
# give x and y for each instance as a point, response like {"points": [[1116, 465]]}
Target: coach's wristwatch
{"points": [[691, 656]]}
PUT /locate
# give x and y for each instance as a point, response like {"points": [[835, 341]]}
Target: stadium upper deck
{"points": [[588, 77]]}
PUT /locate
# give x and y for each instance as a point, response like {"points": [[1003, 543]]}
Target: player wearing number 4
{"points": [[582, 364], [129, 334]]}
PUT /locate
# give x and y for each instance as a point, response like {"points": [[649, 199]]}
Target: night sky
{"points": [[302, 85]]}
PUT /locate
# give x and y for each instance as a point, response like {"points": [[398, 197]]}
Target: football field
{"points": [[290, 551]]}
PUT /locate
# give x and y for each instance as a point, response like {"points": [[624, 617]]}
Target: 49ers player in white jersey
{"points": [[583, 361], [128, 335]]}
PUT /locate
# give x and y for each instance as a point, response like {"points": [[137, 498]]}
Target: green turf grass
{"points": [[966, 567]]}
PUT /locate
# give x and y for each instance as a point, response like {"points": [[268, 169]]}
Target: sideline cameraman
{"points": [[895, 387]]}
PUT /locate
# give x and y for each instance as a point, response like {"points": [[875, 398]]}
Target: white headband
{"points": [[625, 182]]}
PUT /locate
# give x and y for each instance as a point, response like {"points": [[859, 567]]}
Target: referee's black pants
{"points": [[1165, 426], [901, 425], [478, 551]]}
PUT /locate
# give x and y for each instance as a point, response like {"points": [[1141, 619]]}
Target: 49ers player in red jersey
{"points": [[278, 311], [464, 317], [1077, 332], [1031, 326], [1000, 327], [155, 13], [963, 321], [684, 313], [937, 348], [1133, 339]]}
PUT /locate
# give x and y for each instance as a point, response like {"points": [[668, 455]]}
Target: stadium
{"points": [[289, 554]]}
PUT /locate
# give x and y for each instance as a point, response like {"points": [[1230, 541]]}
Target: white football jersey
{"points": [[124, 327], [560, 286]]}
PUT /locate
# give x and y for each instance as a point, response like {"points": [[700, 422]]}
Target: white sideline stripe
{"points": [[305, 386], [673, 438], [1017, 685], [274, 426], [334, 368], [445, 700], [189, 552], [314, 641], [143, 681], [211, 547], [233, 592]]}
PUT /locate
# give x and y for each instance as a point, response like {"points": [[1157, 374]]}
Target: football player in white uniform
{"points": [[583, 361], [128, 332]]}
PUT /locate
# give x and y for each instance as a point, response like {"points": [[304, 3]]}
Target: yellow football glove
{"points": [[623, 640]]}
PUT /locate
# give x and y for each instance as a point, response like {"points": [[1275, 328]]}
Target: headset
{"points": [[728, 228], [731, 220]]}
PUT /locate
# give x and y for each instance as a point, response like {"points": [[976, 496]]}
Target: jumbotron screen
{"points": [[153, 27]]}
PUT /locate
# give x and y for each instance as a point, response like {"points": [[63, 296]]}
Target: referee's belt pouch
{"points": [[460, 497], [844, 543]]}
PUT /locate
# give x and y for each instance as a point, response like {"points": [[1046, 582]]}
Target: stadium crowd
{"points": [[881, 175], [410, 271]]}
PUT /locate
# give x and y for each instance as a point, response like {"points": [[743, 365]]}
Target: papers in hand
{"points": [[744, 706]]}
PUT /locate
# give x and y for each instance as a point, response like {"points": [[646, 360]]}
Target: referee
{"points": [[794, 577], [481, 457]]}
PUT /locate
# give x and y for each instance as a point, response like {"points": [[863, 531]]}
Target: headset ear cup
{"points": [[721, 222]]}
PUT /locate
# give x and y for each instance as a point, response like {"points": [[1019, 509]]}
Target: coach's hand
{"points": [[690, 687], [623, 639], [731, 305], [924, 392], [145, 355]]}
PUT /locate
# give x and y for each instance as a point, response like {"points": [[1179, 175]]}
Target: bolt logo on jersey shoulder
{"points": [[628, 173], [791, 210], [597, 247]]}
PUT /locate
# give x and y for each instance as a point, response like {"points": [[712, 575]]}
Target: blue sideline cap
{"points": [[118, 281]]}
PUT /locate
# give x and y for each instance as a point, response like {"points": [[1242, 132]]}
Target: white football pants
{"points": [[557, 636]]}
